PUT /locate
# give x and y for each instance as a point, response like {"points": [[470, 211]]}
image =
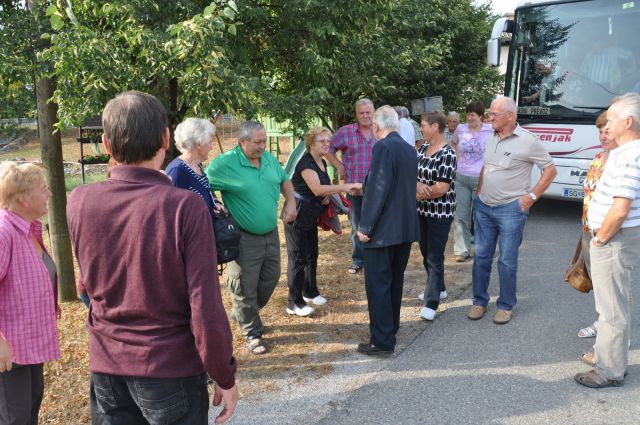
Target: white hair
{"points": [[628, 105], [247, 128], [453, 114], [386, 118], [364, 101], [402, 111], [507, 104], [192, 132]]}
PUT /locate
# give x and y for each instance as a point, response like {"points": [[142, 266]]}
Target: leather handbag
{"points": [[576, 274]]}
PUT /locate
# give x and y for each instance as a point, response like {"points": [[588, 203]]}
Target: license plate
{"points": [[572, 193]]}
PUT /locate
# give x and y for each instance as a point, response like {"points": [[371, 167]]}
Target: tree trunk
{"points": [[51, 152]]}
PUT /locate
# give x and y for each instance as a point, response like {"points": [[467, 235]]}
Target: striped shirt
{"points": [[185, 177], [620, 179], [27, 296], [356, 152]]}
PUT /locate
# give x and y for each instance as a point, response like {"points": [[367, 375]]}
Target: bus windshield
{"points": [[571, 59]]}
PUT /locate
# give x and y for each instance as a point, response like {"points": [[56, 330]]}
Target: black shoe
{"points": [[371, 350]]}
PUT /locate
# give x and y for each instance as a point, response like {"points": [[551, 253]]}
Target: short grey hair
{"points": [[453, 114], [402, 111], [192, 132], [386, 118], [628, 105], [364, 101], [247, 128], [507, 104]]}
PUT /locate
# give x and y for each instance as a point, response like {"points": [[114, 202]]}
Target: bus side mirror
{"points": [[493, 45], [493, 52]]}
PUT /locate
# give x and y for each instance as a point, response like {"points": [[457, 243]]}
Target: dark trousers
{"points": [[354, 219], [434, 233], [21, 391], [127, 400], [302, 263], [384, 279]]}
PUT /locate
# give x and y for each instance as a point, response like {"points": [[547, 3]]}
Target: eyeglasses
{"points": [[496, 114]]}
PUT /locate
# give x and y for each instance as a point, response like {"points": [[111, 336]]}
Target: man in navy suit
{"points": [[388, 226]]}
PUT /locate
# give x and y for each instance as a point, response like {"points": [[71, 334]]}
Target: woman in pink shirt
{"points": [[468, 142], [28, 306]]}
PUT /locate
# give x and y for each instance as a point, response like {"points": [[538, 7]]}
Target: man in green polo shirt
{"points": [[250, 181]]}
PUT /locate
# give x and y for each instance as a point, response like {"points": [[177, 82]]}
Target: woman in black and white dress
{"points": [[436, 206]]}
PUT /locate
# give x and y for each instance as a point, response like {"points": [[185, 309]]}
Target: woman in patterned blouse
{"points": [[436, 206], [589, 185], [28, 281], [194, 138]]}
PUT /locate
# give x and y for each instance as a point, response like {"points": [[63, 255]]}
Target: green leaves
{"points": [[56, 22], [290, 59]]}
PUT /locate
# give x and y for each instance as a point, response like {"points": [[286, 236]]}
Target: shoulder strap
{"points": [[578, 250]]}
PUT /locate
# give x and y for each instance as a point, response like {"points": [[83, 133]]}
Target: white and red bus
{"points": [[567, 60]]}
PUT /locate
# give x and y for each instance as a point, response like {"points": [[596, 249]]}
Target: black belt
{"points": [[593, 233], [306, 199], [255, 234]]}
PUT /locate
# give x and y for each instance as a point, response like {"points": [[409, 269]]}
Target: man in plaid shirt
{"points": [[355, 141]]}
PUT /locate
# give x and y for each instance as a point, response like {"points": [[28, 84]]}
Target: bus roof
{"points": [[526, 3]]}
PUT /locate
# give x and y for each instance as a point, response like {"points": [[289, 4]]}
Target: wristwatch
{"points": [[533, 196], [599, 241]]}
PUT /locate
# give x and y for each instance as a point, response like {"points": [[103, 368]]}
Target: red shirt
{"points": [[27, 295], [356, 152], [147, 260]]}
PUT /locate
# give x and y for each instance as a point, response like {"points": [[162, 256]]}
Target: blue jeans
{"points": [[357, 258], [129, 400], [465, 194], [85, 299], [434, 233], [503, 224]]}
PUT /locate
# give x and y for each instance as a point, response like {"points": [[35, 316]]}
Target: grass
{"points": [[71, 182], [300, 349]]}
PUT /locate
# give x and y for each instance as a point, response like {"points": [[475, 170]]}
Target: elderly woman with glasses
{"points": [[194, 138], [312, 186], [28, 287]]}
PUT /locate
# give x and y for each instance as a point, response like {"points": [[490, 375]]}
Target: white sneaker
{"points": [[443, 295], [319, 300], [428, 313], [421, 296], [302, 312]]}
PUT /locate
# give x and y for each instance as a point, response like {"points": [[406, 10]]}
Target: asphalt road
{"points": [[462, 372]]}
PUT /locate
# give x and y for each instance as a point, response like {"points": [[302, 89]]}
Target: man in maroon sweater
{"points": [[147, 260]]}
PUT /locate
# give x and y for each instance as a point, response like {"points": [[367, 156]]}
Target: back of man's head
{"points": [[134, 124], [386, 118], [401, 111]]}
